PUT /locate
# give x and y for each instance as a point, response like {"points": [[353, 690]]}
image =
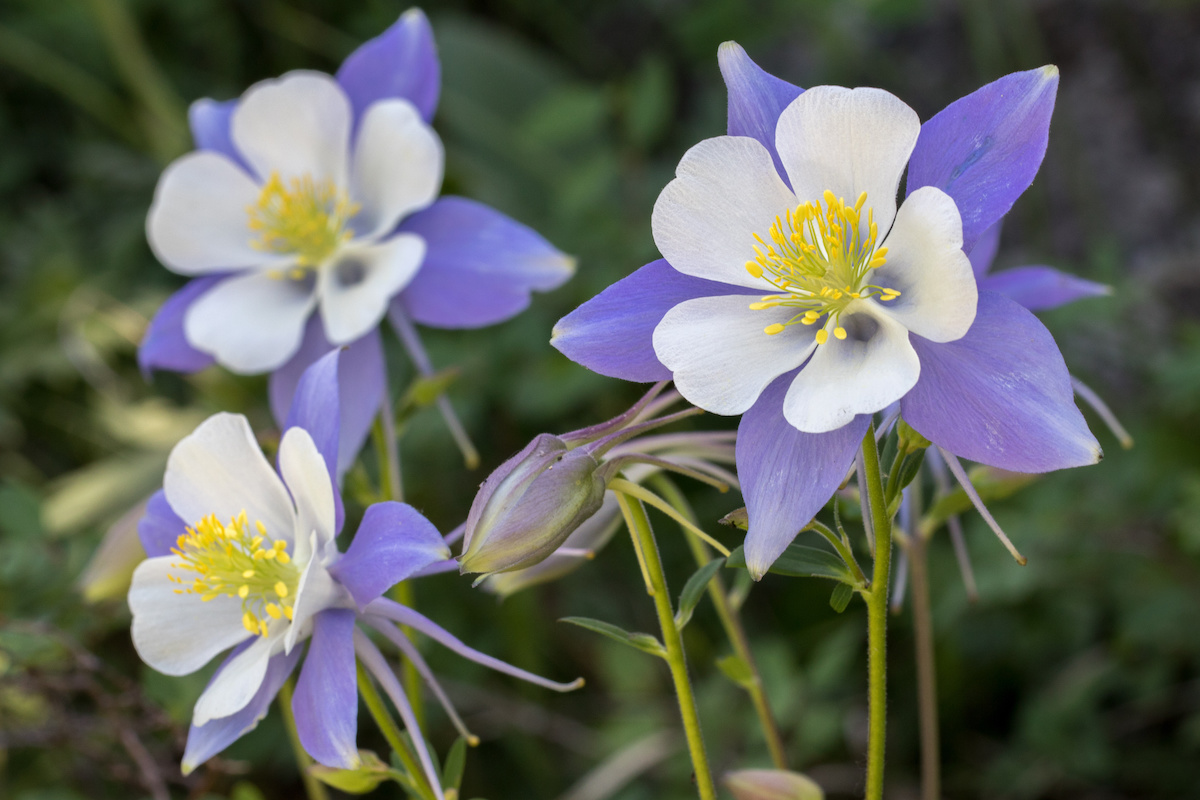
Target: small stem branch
{"points": [[639, 526], [918, 565], [390, 730], [877, 616], [732, 623], [312, 787]]}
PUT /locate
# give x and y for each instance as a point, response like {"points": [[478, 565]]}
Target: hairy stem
{"points": [[390, 730], [643, 540], [732, 623], [313, 788], [918, 565], [877, 616]]}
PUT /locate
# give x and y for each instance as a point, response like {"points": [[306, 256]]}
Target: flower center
{"points": [[228, 560], [820, 259], [304, 218]]}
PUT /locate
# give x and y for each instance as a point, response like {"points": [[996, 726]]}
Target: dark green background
{"points": [[1077, 676]]}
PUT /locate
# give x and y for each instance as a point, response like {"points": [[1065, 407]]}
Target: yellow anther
{"points": [[250, 622], [822, 336], [262, 627], [839, 332], [281, 589], [304, 218], [283, 557], [858, 204], [244, 591], [273, 611], [808, 320], [754, 268], [280, 545], [248, 573], [287, 611], [773, 329]]}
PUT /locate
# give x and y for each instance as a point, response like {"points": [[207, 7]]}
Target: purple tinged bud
{"points": [[529, 506], [772, 784]]}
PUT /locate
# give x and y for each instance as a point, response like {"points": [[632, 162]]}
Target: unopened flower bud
{"points": [[529, 506], [772, 784]]}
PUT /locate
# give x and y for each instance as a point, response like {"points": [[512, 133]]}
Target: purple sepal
{"points": [[393, 543], [164, 346], [984, 252], [480, 266], [160, 527], [1000, 395], [206, 741], [985, 149], [210, 123], [613, 333], [1039, 288], [787, 476], [400, 62], [756, 99], [326, 700], [361, 373], [316, 407]]}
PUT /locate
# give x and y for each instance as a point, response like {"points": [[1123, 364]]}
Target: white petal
{"points": [[236, 684], [848, 141], [873, 367], [198, 221], [726, 189], [307, 478], [926, 263], [357, 286], [178, 633], [295, 125], [719, 353], [251, 323], [317, 591], [397, 166], [219, 469]]}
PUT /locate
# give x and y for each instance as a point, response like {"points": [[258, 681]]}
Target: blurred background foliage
{"points": [[1077, 676]]}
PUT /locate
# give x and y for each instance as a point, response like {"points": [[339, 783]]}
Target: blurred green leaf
{"points": [[641, 641], [693, 590]]}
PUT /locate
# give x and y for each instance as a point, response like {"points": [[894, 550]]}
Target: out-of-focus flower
{"points": [[258, 570], [772, 784], [317, 193], [554, 489], [795, 293]]}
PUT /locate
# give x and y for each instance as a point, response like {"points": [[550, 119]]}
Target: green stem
{"points": [[391, 732], [312, 787], [918, 576], [643, 540], [877, 615], [732, 623]]}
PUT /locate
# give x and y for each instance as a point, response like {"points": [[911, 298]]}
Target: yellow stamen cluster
{"points": [[231, 559], [303, 218], [820, 258]]}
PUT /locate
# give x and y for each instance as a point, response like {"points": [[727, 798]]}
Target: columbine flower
{"points": [[244, 557], [533, 504], [795, 292], [309, 211]]}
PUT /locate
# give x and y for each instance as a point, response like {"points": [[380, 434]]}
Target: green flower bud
{"points": [[772, 784], [529, 506]]}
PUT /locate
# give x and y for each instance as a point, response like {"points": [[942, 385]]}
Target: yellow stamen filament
{"points": [[303, 218], [225, 560], [820, 259]]}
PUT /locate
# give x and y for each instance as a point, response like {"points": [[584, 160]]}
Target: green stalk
{"points": [[391, 732], [918, 575], [383, 435], [731, 622], [877, 615], [312, 787], [643, 541]]}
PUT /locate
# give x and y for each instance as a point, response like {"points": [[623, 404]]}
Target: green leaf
{"points": [[693, 590], [456, 762], [642, 641], [424, 391], [841, 597], [910, 466], [737, 670], [737, 519], [369, 774], [799, 561]]}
